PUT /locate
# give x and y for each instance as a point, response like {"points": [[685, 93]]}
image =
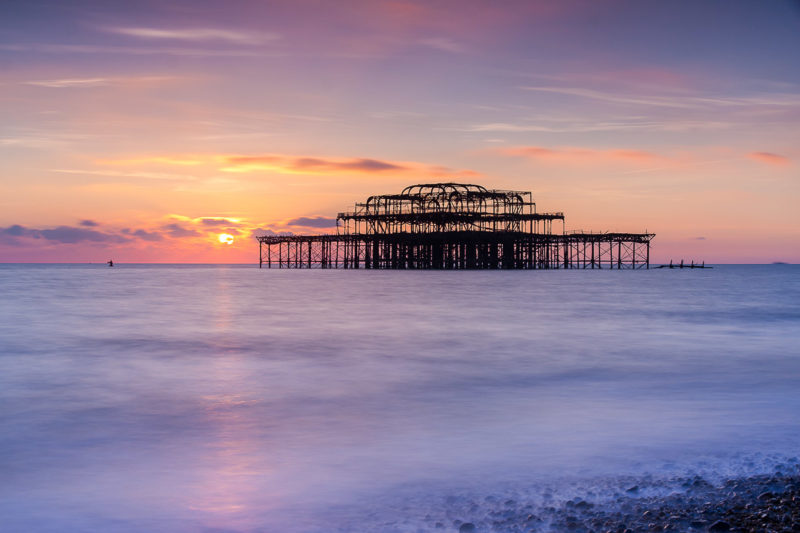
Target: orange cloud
{"points": [[285, 164], [310, 165], [770, 158]]}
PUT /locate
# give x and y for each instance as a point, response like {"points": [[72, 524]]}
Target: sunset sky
{"points": [[141, 131]]}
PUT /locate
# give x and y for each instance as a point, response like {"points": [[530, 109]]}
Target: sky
{"points": [[143, 131]]}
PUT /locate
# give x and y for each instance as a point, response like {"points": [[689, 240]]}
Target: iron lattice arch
{"points": [[446, 207], [454, 226]]}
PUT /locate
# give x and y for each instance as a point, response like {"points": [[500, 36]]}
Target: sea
{"points": [[228, 398]]}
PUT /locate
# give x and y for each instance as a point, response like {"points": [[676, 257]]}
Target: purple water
{"points": [[232, 399]]}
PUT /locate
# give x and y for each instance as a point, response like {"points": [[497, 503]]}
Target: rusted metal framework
{"points": [[453, 226], [447, 207]]}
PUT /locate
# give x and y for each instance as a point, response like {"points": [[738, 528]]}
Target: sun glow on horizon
{"points": [[225, 238]]}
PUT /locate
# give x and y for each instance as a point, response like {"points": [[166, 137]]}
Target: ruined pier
{"points": [[454, 226]]}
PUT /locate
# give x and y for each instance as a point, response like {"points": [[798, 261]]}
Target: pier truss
{"points": [[454, 226]]}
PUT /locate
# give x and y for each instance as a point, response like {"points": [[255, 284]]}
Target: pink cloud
{"points": [[573, 155], [633, 155], [530, 151], [770, 158], [196, 34]]}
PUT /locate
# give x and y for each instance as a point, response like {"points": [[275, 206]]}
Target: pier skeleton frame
{"points": [[454, 226]]}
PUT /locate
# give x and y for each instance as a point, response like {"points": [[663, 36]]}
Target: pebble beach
{"points": [[763, 503]]}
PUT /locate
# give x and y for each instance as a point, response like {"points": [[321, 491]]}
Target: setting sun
{"points": [[225, 238]]}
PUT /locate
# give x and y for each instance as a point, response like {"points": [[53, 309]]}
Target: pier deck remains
{"points": [[454, 226]]}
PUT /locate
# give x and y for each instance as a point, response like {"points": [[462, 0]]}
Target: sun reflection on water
{"points": [[232, 487]]}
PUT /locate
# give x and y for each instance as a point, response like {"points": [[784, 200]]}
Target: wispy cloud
{"points": [[675, 101], [582, 155], [28, 142], [143, 166], [166, 160], [337, 166], [310, 165], [397, 115], [683, 163], [213, 221], [196, 34], [73, 82], [69, 83], [442, 43], [262, 232], [653, 162], [177, 230], [313, 222], [57, 48], [615, 97], [126, 174], [770, 158], [150, 236], [43, 139], [588, 127]]}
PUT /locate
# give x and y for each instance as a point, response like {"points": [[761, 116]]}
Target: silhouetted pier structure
{"points": [[454, 226]]}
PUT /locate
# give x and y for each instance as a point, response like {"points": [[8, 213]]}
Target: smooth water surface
{"points": [[217, 398]]}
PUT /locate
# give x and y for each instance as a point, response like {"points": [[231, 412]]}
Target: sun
{"points": [[225, 238]]}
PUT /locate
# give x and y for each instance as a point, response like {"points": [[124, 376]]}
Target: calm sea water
{"points": [[218, 398]]}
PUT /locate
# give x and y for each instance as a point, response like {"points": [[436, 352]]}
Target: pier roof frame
{"points": [[446, 206]]}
